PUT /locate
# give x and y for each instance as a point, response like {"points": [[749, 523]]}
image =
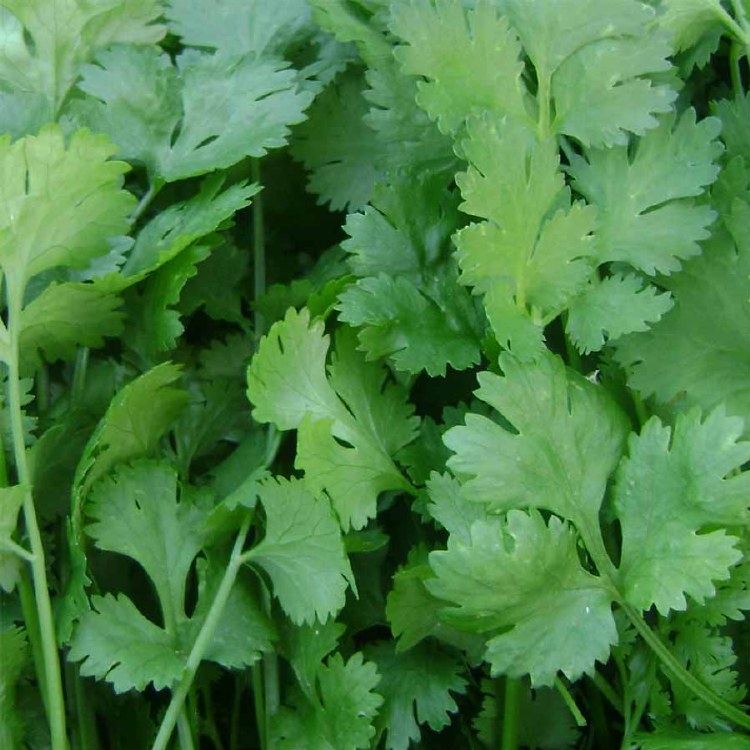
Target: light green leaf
{"points": [[552, 32], [417, 688], [619, 304], [302, 552], [238, 27], [567, 437], [451, 509], [603, 92], [350, 424], [60, 203], [699, 352], [535, 249], [11, 501], [208, 114], [667, 549], [64, 317], [689, 21], [116, 643], [522, 577], [342, 717], [45, 42], [647, 215], [450, 47], [136, 513], [674, 739]]}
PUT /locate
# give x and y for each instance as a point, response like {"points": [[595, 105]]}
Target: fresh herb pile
{"points": [[376, 374]]}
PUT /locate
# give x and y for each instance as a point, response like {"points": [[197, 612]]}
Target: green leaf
{"points": [[552, 32], [648, 217], [450, 507], [11, 501], [182, 224], [417, 688], [619, 304], [562, 440], [450, 48], [306, 646], [690, 20], [238, 27], [342, 717], [522, 577], [302, 552], [603, 91], [48, 40], [535, 250], [699, 352], [668, 550], [135, 421], [64, 317], [338, 148], [136, 513], [13, 648], [116, 643], [350, 423], [208, 113], [60, 204]]}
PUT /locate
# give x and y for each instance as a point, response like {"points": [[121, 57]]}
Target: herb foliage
{"points": [[376, 370]]}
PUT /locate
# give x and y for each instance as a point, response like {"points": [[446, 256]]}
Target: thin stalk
{"points": [[146, 200], [8, 545], [80, 370], [569, 701], [28, 608], [271, 689], [608, 692], [203, 640], [735, 27], [184, 732], [52, 675], [511, 714], [86, 721], [259, 704], [234, 719], [259, 251], [677, 672]]}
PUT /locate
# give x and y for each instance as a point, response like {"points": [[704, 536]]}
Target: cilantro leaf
{"points": [[664, 557], [136, 513], [448, 48], [349, 424], [408, 304], [617, 305], [566, 439], [699, 352], [302, 551], [417, 688], [341, 719], [602, 92], [237, 27], [342, 152], [116, 643], [60, 203], [647, 215], [674, 739], [188, 121], [535, 250], [64, 317], [554, 601], [11, 501], [52, 39]]}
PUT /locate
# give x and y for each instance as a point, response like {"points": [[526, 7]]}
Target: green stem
{"points": [[184, 732], [259, 703], [146, 199], [511, 714], [52, 675], [271, 689], [569, 701], [80, 369], [234, 719], [677, 671], [28, 608], [608, 692], [8, 545], [259, 251], [736, 28], [203, 640]]}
